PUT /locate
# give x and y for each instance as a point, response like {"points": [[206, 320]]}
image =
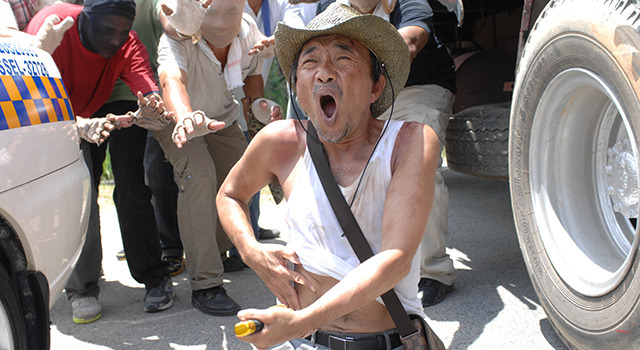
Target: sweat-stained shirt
{"points": [[88, 77]]}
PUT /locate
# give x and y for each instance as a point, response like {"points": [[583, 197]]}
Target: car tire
{"points": [[573, 158], [13, 334], [477, 141]]}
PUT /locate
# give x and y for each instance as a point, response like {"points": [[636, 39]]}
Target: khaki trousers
{"points": [[200, 167], [431, 105]]}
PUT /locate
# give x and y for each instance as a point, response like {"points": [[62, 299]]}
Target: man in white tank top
{"points": [[386, 172]]}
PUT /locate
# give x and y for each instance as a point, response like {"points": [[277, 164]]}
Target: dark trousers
{"points": [[131, 195], [164, 197]]}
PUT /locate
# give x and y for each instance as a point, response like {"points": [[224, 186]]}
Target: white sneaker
{"points": [[85, 309]]}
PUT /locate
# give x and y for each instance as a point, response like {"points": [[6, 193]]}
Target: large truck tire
{"points": [[477, 141], [573, 169]]}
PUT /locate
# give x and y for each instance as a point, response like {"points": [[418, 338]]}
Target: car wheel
{"points": [[477, 141], [573, 158], [12, 329]]}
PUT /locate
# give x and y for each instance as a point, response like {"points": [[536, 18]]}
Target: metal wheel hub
{"points": [[622, 179]]}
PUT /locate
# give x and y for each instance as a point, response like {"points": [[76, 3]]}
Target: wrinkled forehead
{"points": [[225, 8], [336, 41]]}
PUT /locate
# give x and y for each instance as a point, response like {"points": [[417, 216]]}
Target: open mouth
{"points": [[328, 105]]}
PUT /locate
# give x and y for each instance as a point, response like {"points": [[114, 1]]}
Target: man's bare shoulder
{"points": [[415, 139], [282, 136]]}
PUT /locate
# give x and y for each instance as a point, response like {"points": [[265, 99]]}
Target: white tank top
{"points": [[316, 236]]}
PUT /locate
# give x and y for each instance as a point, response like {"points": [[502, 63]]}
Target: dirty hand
{"points": [[270, 263], [151, 113], [185, 15], [192, 125], [280, 324], [266, 111], [51, 33], [94, 130], [265, 48]]}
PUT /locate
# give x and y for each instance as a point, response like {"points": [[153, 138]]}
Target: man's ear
{"points": [[377, 88]]}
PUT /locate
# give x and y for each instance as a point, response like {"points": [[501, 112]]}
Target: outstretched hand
{"points": [[94, 130], [192, 125], [265, 48], [51, 32], [185, 15]]}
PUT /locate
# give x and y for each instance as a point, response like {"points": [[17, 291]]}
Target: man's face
{"points": [[109, 34], [334, 85], [221, 22]]}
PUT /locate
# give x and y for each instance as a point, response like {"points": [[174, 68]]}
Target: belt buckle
{"points": [[337, 341]]}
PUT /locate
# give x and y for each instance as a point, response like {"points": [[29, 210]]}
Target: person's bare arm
{"points": [[415, 37], [406, 210], [176, 98], [272, 152]]}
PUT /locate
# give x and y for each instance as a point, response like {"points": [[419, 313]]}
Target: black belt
{"points": [[372, 342]]}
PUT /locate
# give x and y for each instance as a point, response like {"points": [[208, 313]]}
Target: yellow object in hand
{"points": [[245, 328]]}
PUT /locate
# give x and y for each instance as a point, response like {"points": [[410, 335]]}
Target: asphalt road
{"points": [[493, 305]]}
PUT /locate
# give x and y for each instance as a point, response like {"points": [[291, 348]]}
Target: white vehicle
{"points": [[44, 194]]}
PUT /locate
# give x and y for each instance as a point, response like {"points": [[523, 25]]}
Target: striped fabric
{"points": [[32, 100]]}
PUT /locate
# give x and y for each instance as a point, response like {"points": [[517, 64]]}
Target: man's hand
{"points": [[192, 125], [51, 33], [185, 15], [280, 324], [270, 264], [265, 48], [151, 113], [94, 130], [266, 111]]}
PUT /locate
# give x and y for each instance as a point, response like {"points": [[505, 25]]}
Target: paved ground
{"points": [[493, 305]]}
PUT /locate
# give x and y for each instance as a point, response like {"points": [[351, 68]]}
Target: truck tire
{"points": [[477, 141], [573, 169]]}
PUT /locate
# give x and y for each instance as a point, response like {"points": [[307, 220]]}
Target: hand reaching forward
{"points": [[94, 130], [51, 32], [185, 15], [265, 48], [192, 125]]}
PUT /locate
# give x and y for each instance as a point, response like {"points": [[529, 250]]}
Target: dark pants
{"points": [[132, 199], [164, 197]]}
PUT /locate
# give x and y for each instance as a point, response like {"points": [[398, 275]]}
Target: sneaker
{"points": [[120, 255], [264, 234], [233, 264], [159, 297], [214, 301], [175, 265], [432, 292], [85, 310]]}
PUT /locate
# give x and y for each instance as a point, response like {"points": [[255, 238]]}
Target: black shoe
{"points": [[214, 301], [175, 265], [432, 292], [264, 233], [233, 264], [159, 297]]}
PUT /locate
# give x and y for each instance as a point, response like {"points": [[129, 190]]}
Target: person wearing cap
{"points": [[92, 55], [427, 98], [346, 69]]}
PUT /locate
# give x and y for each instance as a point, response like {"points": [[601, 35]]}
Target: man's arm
{"points": [[406, 209], [263, 161], [416, 39]]}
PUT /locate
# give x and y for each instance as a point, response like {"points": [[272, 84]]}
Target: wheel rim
{"points": [[6, 333], [584, 181]]}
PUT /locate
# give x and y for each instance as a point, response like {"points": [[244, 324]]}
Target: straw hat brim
{"points": [[377, 34]]}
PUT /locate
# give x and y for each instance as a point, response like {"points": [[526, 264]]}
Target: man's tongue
{"points": [[328, 105]]}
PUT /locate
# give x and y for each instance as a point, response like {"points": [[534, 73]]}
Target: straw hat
{"points": [[380, 36]]}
